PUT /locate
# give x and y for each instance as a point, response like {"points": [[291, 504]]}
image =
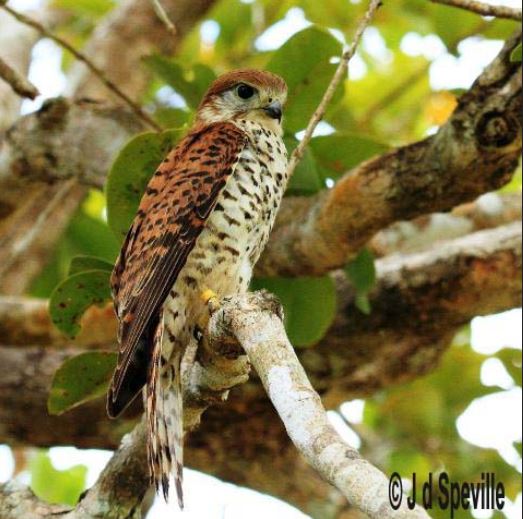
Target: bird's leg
{"points": [[210, 298]]}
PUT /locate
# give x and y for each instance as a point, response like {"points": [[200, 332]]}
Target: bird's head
{"points": [[248, 94]]}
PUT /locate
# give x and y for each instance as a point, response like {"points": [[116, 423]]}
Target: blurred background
{"points": [[412, 64]]}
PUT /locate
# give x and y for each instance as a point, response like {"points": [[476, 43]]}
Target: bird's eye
{"points": [[245, 91]]}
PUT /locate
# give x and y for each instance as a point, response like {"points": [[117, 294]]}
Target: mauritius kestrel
{"points": [[201, 225]]}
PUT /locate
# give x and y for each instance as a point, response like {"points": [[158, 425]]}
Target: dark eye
{"points": [[245, 91]]}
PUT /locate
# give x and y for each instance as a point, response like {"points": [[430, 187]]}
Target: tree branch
{"points": [[99, 73], [486, 212], [16, 501], [499, 11], [62, 140], [418, 304], [476, 151], [254, 323]]}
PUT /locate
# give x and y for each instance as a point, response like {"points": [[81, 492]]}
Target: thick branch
{"points": [[474, 152], [488, 211], [63, 140], [419, 302], [260, 331], [18, 501]]}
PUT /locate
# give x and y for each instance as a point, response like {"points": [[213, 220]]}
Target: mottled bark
{"points": [[488, 211], [92, 134], [17, 501], [475, 151], [419, 302]]}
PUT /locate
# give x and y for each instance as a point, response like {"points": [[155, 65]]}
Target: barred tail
{"points": [[164, 409]]}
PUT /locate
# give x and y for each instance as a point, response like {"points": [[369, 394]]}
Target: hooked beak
{"points": [[274, 110]]}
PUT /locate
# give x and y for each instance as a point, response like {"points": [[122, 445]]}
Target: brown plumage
{"points": [[201, 224]]}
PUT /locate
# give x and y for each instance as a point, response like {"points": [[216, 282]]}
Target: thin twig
{"points": [[22, 18], [18, 83], [499, 11], [163, 16], [338, 76]]}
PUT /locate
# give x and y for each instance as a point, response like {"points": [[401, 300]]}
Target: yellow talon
{"points": [[210, 298]]}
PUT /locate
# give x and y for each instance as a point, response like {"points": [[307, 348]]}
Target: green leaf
{"points": [[130, 173], [173, 117], [309, 305], [83, 263], [191, 84], [515, 55], [305, 180], [338, 153], [80, 379], [362, 274], [56, 486], [73, 296], [304, 62]]}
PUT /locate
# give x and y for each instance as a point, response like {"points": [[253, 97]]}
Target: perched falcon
{"points": [[202, 223]]}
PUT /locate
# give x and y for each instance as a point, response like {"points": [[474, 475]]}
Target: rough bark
{"points": [[16, 501], [92, 133], [25, 321], [251, 326], [419, 302], [488, 211], [476, 151], [130, 32]]}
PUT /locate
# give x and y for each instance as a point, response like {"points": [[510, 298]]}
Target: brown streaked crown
{"points": [[261, 79]]}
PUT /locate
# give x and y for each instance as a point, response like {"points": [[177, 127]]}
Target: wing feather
{"points": [[172, 213]]}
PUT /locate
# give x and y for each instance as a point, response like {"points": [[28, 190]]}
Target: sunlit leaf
{"points": [[173, 117], [80, 379], [73, 296], [130, 173], [304, 61], [309, 305], [56, 486]]}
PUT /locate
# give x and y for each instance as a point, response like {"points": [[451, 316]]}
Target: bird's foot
{"points": [[210, 298]]}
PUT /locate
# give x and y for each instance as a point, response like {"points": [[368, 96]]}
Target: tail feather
{"points": [[164, 409]]}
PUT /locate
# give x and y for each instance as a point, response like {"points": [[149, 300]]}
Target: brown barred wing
{"points": [[172, 213]]}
